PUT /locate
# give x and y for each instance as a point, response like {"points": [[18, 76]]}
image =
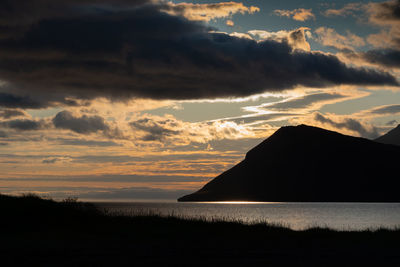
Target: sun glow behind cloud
{"points": [[108, 128]]}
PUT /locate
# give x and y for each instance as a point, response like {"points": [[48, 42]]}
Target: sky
{"points": [[151, 99]]}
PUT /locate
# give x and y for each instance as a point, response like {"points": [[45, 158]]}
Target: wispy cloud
{"points": [[329, 37], [347, 10]]}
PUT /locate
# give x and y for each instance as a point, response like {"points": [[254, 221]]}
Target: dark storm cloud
{"points": [[88, 49], [389, 58], [84, 124], [349, 124], [11, 99], [9, 113], [156, 130], [304, 101], [27, 12], [23, 124]]}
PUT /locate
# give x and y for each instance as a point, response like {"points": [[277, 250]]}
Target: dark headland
{"points": [[391, 137], [304, 163]]}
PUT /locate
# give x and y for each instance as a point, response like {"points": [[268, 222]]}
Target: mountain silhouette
{"points": [[304, 163], [391, 137]]}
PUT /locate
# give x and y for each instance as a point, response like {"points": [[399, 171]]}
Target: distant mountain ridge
{"points": [[391, 137], [304, 163]]}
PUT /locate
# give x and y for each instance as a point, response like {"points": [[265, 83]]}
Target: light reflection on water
{"points": [[341, 216]]}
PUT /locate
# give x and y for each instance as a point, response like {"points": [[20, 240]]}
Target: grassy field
{"points": [[42, 232]]}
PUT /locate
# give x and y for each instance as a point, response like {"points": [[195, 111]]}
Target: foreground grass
{"points": [[42, 232]]}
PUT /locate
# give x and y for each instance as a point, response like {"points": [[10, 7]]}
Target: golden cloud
{"points": [[299, 14], [207, 12]]}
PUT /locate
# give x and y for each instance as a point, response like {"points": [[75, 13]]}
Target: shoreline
{"points": [[71, 233]]}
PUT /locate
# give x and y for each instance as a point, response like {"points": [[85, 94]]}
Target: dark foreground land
{"points": [[38, 232]]}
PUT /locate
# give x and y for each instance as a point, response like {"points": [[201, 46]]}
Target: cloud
{"points": [[387, 16], [169, 130], [24, 124], [229, 23], [3, 134], [384, 13], [385, 110], [299, 14], [329, 37], [391, 123], [241, 35], [12, 101], [156, 130], [305, 101], [261, 117], [53, 160], [83, 124], [10, 98], [295, 38], [84, 142], [346, 10], [50, 161], [119, 52], [388, 58], [386, 42], [386, 38], [207, 12], [9, 113], [349, 124], [386, 52], [292, 107], [25, 13]]}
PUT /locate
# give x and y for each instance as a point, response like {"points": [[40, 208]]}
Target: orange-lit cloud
{"points": [[229, 23], [346, 10], [299, 14], [295, 38], [329, 37], [360, 123], [207, 12]]}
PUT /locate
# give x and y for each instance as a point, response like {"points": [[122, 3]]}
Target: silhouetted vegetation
{"points": [[43, 232]]}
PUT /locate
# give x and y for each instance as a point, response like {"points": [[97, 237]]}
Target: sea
{"points": [[297, 216]]}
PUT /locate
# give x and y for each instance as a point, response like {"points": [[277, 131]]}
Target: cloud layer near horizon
{"points": [[65, 52]]}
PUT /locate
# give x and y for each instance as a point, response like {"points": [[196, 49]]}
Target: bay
{"points": [[297, 216]]}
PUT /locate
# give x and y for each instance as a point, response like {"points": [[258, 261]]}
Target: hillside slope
{"points": [[304, 163]]}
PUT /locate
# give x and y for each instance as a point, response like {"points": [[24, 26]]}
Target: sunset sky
{"points": [[141, 99]]}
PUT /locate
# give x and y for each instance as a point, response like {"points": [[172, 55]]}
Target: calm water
{"points": [[342, 216]]}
